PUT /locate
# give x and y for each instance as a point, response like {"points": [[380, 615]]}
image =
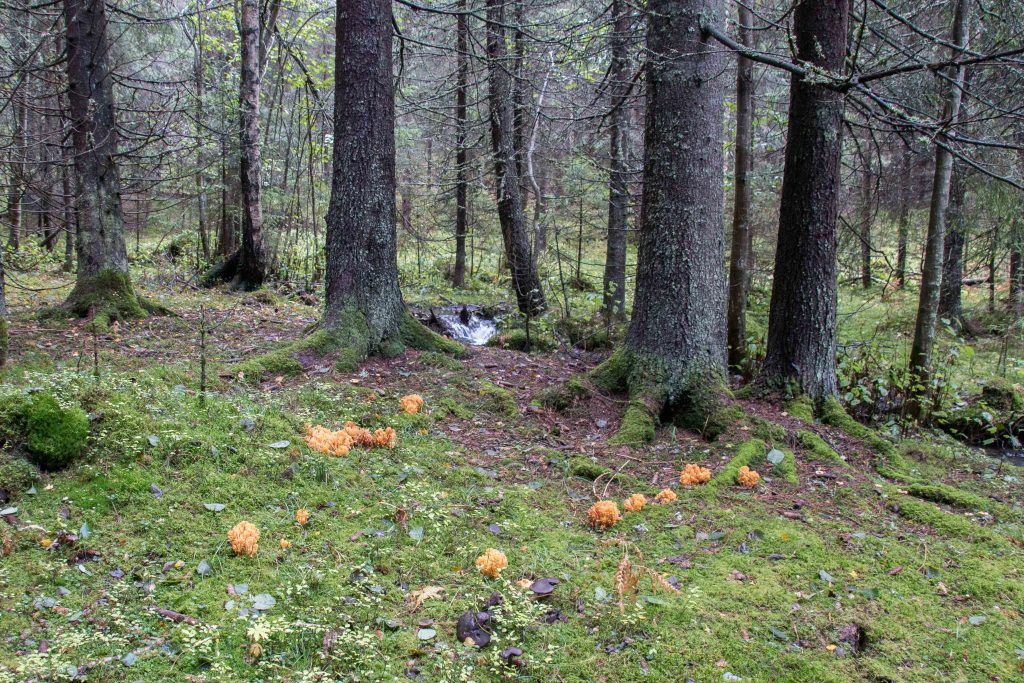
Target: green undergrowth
{"points": [[818, 449], [170, 472]]}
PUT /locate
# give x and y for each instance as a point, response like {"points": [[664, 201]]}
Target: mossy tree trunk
{"points": [[364, 310], [103, 288], [801, 351], [950, 305], [673, 359]]}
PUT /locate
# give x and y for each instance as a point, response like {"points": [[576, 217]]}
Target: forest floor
{"points": [[825, 571]]}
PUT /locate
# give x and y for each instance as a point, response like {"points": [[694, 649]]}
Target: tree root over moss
{"points": [[351, 342], [108, 297]]}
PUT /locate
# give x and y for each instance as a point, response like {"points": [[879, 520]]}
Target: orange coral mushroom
{"points": [[665, 496], [328, 442], [694, 475], [603, 514], [747, 477], [491, 563], [244, 538], [635, 503], [385, 438], [302, 516], [360, 436], [285, 544], [411, 404]]}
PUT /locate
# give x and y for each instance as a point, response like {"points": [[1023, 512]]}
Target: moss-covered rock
{"points": [[589, 335], [612, 375], [433, 359], [416, 335], [768, 431], [16, 474], [516, 340], [586, 468], [1003, 395], [54, 435], [109, 296], [564, 396]]}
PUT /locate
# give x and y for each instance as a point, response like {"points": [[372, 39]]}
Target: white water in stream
{"points": [[475, 332]]}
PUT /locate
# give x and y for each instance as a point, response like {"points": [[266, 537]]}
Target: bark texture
{"points": [[801, 353], [461, 153], [614, 301], [102, 286], [741, 254], [673, 359], [931, 273], [525, 280], [950, 304]]}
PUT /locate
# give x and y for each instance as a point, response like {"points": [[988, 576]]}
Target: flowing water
{"points": [[465, 325]]}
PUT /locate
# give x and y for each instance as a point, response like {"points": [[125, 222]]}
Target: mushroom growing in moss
{"points": [[411, 404], [302, 516], [665, 496], [694, 475], [635, 503], [328, 442], [603, 514], [244, 538], [491, 563], [385, 438], [360, 435], [747, 477]]}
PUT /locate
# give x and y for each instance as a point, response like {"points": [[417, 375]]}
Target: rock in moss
{"points": [[16, 474], [563, 396], [54, 436], [517, 341], [497, 401]]}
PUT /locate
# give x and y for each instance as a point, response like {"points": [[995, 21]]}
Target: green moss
{"points": [[638, 425], [786, 470], [348, 360], [819, 450], [347, 345], [746, 453], [449, 406], [586, 468], [589, 335], [612, 375], [801, 408], [940, 520], [1002, 395], [16, 474], [768, 431], [54, 436], [416, 335], [942, 493], [107, 296], [496, 401], [564, 396], [433, 359], [516, 340], [833, 413]]}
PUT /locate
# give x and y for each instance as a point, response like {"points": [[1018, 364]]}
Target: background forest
{"points": [[511, 339]]}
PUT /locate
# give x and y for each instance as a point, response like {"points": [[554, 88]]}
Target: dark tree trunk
{"points": [[867, 210], [1016, 274], [950, 307], [614, 301], [903, 223], [16, 189], [252, 264], [461, 154], [364, 311], [673, 360], [931, 273], [801, 351], [525, 280], [741, 257], [102, 286], [68, 204]]}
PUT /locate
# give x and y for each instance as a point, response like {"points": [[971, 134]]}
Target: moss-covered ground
{"points": [[119, 568]]}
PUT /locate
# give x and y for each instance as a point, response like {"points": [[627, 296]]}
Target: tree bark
{"points": [[102, 287], [673, 359], [950, 307], [461, 153], [867, 210], [931, 273], [903, 223], [614, 300], [364, 311], [525, 280], [801, 353], [741, 255]]}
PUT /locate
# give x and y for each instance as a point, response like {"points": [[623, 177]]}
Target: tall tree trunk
{"points": [[931, 273], [461, 153], [950, 307], [867, 210], [252, 264], [673, 358], [102, 287], [364, 312], [16, 189], [801, 351], [741, 256], [903, 222], [614, 301], [200, 73], [525, 280]]}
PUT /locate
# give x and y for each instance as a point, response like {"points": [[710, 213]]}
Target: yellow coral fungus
{"points": [[323, 440], [665, 496], [360, 435], [385, 438], [747, 477], [285, 544], [244, 538], [491, 563], [302, 516], [635, 503], [603, 514], [411, 404], [694, 475]]}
